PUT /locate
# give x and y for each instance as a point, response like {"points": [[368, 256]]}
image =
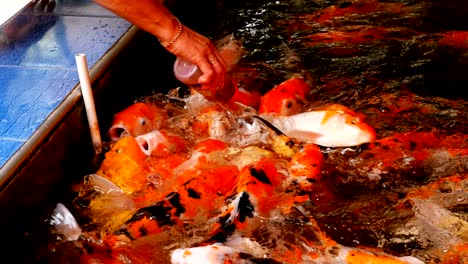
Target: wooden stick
{"points": [[87, 93]]}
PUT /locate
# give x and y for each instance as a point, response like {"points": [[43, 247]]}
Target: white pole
{"points": [[87, 93]]}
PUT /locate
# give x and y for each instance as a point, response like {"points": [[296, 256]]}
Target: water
{"points": [[401, 63], [404, 65]]}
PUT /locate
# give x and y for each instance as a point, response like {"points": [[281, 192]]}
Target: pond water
{"points": [[404, 65]]}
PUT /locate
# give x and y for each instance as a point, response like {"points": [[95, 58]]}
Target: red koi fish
{"points": [[286, 99], [138, 119], [329, 126]]}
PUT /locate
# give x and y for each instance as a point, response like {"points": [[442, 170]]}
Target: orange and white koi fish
{"points": [[160, 143], [256, 193], [211, 254], [330, 126], [305, 166], [138, 119], [287, 98], [216, 253]]}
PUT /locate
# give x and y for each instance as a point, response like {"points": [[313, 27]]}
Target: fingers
{"points": [[202, 52], [213, 67]]}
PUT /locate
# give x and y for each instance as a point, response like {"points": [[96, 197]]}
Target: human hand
{"points": [[199, 50]]}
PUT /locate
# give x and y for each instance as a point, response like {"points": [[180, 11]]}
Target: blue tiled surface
{"points": [[28, 96], [55, 42], [81, 8], [8, 148], [37, 62]]}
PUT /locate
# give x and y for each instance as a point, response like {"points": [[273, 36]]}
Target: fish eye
{"points": [[142, 121], [354, 122]]}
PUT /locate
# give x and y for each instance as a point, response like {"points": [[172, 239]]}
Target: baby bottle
{"points": [[186, 72], [189, 73]]}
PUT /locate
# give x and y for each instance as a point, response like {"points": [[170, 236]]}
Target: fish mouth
{"points": [[118, 131], [144, 145]]}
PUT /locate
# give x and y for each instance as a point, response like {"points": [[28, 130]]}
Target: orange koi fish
{"points": [[138, 119], [286, 99], [196, 200], [204, 156], [125, 165], [330, 126], [248, 98], [211, 121]]}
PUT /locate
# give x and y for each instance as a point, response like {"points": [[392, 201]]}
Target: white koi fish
{"points": [[331, 126], [211, 254], [160, 143]]}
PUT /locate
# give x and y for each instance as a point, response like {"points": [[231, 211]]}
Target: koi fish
{"points": [[286, 99], [331, 126], [342, 254], [197, 199], [204, 155], [305, 166], [212, 121], [160, 143], [107, 206], [125, 165], [254, 194], [217, 253], [245, 97], [211, 254], [138, 119]]}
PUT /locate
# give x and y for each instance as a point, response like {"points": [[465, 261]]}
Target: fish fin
{"points": [[65, 223], [242, 208], [239, 209], [306, 136], [270, 125]]}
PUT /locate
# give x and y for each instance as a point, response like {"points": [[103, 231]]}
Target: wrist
{"points": [[172, 34]]}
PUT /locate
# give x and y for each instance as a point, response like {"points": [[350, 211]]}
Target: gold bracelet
{"points": [[176, 37]]}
